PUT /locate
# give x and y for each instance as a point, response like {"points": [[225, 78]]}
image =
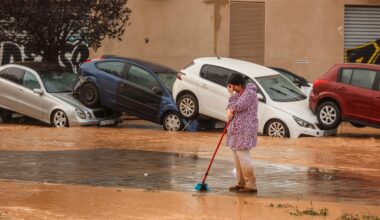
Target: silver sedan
{"points": [[44, 91]]}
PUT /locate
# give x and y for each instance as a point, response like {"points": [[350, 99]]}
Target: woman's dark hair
{"points": [[236, 79]]}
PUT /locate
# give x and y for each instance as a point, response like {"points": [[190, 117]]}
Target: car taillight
{"points": [[180, 75]]}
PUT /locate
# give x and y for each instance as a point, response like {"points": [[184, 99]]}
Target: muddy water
{"points": [[141, 155]]}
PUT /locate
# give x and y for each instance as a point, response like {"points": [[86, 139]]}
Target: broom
{"points": [[203, 186]]}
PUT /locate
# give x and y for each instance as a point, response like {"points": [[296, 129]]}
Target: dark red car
{"points": [[347, 92]]}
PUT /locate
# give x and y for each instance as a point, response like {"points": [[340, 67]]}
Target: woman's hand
{"points": [[229, 114]]}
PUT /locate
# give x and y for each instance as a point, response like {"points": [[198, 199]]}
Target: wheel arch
{"points": [[265, 133], [327, 99], [55, 110], [184, 92]]}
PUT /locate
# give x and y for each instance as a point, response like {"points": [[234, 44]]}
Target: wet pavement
{"points": [[180, 172], [143, 156]]}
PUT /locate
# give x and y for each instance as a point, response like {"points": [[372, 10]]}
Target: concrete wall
{"points": [[303, 36], [171, 32]]}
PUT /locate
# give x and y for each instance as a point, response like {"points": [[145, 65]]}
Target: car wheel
{"points": [[328, 115], [277, 128], [89, 95], [357, 125], [188, 106], [172, 122], [59, 119]]}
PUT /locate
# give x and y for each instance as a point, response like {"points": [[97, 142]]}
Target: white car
{"points": [[200, 89], [43, 91]]}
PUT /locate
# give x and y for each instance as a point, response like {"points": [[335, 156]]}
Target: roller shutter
{"points": [[362, 34], [247, 31]]}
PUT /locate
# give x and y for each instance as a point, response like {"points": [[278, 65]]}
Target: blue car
{"points": [[137, 87]]}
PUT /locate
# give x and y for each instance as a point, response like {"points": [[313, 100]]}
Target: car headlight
{"points": [[80, 114], [303, 123]]}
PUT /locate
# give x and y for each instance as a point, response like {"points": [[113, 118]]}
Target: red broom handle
{"points": [[216, 150]]}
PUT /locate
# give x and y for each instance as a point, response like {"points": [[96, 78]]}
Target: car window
{"points": [[287, 75], [30, 81], [363, 78], [258, 90], [142, 77], [3, 73], [58, 81], [14, 74], [113, 67], [280, 89], [216, 74], [345, 76], [168, 79]]}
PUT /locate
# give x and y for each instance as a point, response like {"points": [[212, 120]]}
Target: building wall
{"points": [[303, 36], [171, 32]]}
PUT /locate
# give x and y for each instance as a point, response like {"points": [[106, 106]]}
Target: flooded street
{"points": [[46, 170]]}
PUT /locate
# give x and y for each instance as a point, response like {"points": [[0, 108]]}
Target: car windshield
{"points": [[280, 89], [168, 79], [56, 81]]}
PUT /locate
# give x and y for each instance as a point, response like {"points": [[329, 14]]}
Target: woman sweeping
{"points": [[242, 132]]}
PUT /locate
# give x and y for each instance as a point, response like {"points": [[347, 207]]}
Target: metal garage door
{"points": [[247, 31], [362, 34]]}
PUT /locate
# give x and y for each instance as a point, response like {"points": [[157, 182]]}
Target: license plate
{"points": [[220, 124], [107, 122]]}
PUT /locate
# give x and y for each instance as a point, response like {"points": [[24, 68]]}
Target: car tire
{"points": [[59, 119], [89, 95], [172, 122], [328, 115], [188, 106], [357, 125], [277, 128]]}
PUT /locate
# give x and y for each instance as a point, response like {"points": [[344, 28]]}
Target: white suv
{"points": [[200, 89]]}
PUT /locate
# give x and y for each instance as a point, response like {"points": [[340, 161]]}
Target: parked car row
{"points": [[110, 85]]}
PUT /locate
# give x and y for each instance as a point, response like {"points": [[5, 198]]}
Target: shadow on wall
{"points": [[367, 53], [74, 55]]}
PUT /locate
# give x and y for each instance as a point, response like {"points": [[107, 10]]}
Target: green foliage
{"points": [[44, 26]]}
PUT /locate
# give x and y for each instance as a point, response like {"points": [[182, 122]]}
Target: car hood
{"points": [[69, 98], [299, 109]]}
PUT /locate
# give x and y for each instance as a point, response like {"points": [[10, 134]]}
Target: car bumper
{"points": [[96, 122], [314, 133]]}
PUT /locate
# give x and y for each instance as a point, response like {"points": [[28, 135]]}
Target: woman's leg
{"points": [[245, 162], [239, 172]]}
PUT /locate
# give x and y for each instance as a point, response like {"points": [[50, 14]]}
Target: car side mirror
{"points": [[38, 91], [157, 90]]}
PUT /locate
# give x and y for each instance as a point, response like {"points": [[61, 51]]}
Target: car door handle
{"points": [[204, 85], [378, 97], [123, 85], [342, 88], [19, 90]]}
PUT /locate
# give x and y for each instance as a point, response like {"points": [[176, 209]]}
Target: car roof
{"points": [[359, 65], [40, 66], [154, 67], [248, 68]]}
